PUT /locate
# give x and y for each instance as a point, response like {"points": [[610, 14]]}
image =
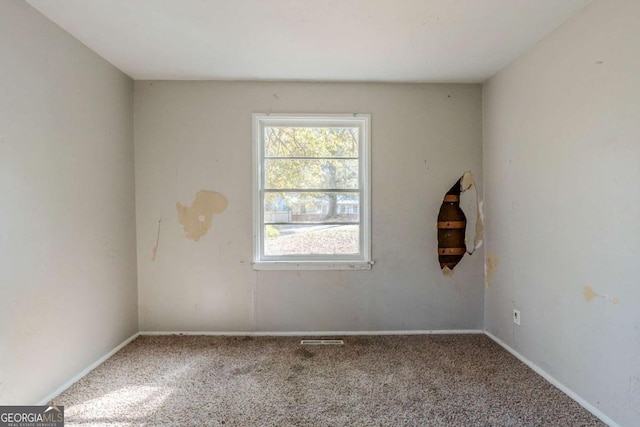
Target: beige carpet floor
{"points": [[433, 380]]}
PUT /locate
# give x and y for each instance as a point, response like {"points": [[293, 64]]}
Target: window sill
{"points": [[312, 265]]}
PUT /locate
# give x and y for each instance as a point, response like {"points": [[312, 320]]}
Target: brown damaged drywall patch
{"points": [[196, 219], [451, 225], [589, 294], [456, 234], [490, 266]]}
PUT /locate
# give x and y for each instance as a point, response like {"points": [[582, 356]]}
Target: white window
{"points": [[312, 191]]}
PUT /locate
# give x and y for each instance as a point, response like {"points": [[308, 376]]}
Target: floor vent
{"points": [[322, 342]]}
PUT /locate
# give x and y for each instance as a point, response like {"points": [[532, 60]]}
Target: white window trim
{"points": [[343, 262]]}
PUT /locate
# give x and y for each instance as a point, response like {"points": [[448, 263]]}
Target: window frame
{"points": [[361, 261]]}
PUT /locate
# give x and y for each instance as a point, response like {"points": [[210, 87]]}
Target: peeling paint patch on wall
{"points": [[154, 251], [490, 266], [196, 219], [589, 294], [447, 271]]}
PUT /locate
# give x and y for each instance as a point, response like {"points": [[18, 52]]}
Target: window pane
{"points": [[311, 142], [311, 240], [315, 207], [311, 174]]}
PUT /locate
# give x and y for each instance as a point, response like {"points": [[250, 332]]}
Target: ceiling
{"points": [[311, 40]]}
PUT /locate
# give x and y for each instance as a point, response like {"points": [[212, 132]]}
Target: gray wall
{"points": [[562, 166], [67, 238], [193, 136]]}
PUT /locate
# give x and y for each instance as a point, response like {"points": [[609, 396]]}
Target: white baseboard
{"points": [[313, 333], [566, 390], [86, 370]]}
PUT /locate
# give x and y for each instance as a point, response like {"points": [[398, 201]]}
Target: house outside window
{"points": [[312, 191]]}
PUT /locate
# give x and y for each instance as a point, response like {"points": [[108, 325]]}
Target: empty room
{"points": [[320, 213]]}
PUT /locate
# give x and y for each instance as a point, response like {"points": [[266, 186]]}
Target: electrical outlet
{"points": [[516, 316]]}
